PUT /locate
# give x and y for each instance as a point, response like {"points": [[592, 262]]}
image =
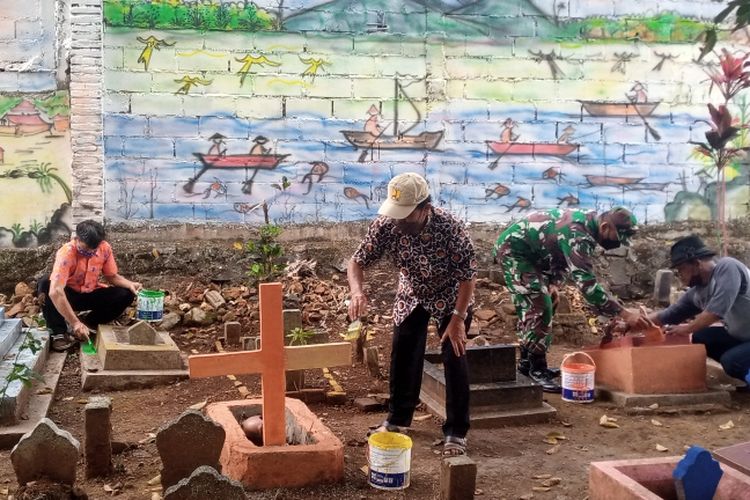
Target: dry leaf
{"points": [[556, 435], [549, 440], [609, 425], [198, 406], [365, 469], [553, 481], [44, 390], [69, 398], [656, 422], [542, 476], [154, 480], [661, 448], [727, 426], [478, 492], [553, 450], [540, 488], [566, 424], [603, 420], [422, 418], [653, 406], [82, 401]]}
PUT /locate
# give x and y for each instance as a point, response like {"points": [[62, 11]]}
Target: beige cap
{"points": [[405, 192]]}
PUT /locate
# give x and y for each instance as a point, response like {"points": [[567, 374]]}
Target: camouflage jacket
{"points": [[556, 243]]}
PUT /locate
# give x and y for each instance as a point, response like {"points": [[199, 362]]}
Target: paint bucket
{"points": [[150, 305], [389, 460], [577, 372]]}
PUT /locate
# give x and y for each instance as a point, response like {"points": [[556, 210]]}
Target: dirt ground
{"points": [[509, 458]]}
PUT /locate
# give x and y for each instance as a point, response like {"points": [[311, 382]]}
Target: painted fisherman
{"points": [[536, 254], [437, 270], [715, 310]]}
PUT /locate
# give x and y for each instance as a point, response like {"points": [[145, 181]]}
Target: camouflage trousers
{"points": [[532, 299]]}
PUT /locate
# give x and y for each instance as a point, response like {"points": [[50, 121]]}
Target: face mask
{"points": [[86, 253], [610, 244]]}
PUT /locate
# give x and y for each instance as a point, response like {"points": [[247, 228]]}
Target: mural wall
{"points": [[35, 154], [217, 110]]}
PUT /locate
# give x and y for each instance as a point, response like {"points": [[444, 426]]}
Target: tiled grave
{"points": [[499, 395], [120, 364], [651, 479], [22, 407]]}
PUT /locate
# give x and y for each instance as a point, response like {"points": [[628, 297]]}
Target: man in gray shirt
{"points": [[719, 292]]}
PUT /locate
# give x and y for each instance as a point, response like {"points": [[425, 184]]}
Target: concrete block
{"points": [[697, 475], [17, 395], [368, 404], [663, 286], [496, 363], [232, 332], [316, 457], [671, 367], [458, 478], [203, 483], [141, 333], [97, 441]]}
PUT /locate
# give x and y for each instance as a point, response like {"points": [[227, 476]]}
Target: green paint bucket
{"points": [[150, 305]]}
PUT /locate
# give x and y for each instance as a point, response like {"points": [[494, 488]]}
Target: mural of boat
{"points": [[608, 180], [531, 148], [24, 119], [597, 108], [252, 162], [399, 139]]}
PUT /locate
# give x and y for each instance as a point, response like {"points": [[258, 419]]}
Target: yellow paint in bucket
{"points": [[389, 460], [577, 372]]}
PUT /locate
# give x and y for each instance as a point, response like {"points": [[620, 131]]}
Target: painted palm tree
{"points": [[44, 174]]}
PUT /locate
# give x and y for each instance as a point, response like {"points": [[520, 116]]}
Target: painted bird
{"points": [[313, 66], [353, 194], [249, 62], [151, 43], [319, 168], [521, 204], [571, 200], [245, 208], [218, 187], [553, 174], [189, 81], [497, 192]]}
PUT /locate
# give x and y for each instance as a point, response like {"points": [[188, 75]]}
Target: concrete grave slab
{"points": [[312, 454], [205, 482], [118, 364], [736, 456], [651, 479], [47, 452], [17, 395], [499, 396]]}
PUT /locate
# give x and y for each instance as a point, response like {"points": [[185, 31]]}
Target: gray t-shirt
{"points": [[727, 295]]}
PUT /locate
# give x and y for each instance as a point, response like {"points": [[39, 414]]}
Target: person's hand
{"points": [[635, 319], [683, 329], [456, 333], [357, 306], [81, 331], [135, 287]]}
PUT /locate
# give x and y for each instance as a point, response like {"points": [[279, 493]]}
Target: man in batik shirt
{"points": [[537, 253], [437, 269]]}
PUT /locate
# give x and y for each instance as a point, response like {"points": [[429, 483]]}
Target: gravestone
{"points": [[205, 482], [499, 395], [133, 357], [187, 443], [663, 287], [458, 478], [232, 332], [47, 452], [97, 441], [697, 475]]}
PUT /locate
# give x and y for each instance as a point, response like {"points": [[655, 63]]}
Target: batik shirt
{"points": [[81, 273], [556, 243], [431, 264]]}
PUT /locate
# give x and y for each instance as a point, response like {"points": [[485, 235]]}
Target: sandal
{"points": [[61, 342], [454, 446], [386, 427]]}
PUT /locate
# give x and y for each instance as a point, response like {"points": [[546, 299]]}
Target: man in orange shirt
{"points": [[74, 286]]}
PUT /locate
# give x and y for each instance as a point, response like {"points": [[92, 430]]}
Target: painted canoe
{"points": [[531, 148], [595, 108], [608, 180], [425, 140], [264, 162]]}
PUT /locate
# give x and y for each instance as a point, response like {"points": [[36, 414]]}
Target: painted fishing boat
{"points": [[608, 180], [531, 148], [399, 139], [598, 108], [252, 162]]}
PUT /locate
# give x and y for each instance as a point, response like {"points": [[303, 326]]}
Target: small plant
{"points": [[300, 336], [20, 371], [266, 254]]}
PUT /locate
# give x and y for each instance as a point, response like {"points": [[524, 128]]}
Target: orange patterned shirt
{"points": [[82, 273]]}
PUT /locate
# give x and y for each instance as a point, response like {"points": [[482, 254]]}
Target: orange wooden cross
{"points": [[271, 361]]}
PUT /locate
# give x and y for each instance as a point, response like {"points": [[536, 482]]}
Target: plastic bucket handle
{"points": [[569, 357]]}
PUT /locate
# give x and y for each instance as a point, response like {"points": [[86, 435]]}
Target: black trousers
{"points": [[105, 305], [407, 361], [733, 354]]}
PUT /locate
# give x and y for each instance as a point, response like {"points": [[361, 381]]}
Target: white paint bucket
{"points": [[577, 372], [150, 305], [389, 460]]}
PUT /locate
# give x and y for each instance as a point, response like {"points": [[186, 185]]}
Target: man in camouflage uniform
{"points": [[537, 253]]}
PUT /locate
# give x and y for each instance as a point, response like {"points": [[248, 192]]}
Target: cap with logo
{"points": [[405, 192]]}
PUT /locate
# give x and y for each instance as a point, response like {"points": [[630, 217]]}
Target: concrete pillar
{"points": [[98, 437], [458, 478], [232, 332]]}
